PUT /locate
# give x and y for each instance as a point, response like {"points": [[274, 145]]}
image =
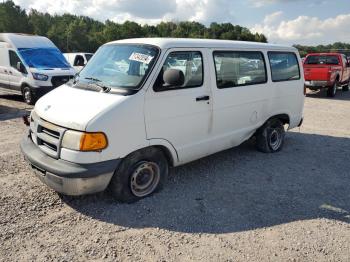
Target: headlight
{"points": [[40, 77], [82, 141]]}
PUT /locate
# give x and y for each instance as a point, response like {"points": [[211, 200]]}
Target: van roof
{"points": [[25, 41], [165, 43]]}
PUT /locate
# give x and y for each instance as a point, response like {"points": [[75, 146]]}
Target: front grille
{"points": [[60, 80], [46, 136]]}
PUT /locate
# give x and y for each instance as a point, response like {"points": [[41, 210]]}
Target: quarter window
{"points": [[239, 68], [191, 65], [284, 66]]}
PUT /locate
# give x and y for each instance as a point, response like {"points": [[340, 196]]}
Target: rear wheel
{"points": [[270, 137], [346, 87], [331, 91], [139, 175], [28, 95]]}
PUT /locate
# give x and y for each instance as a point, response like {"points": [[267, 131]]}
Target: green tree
{"points": [[13, 19]]}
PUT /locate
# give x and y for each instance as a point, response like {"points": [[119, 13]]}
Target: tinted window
{"points": [[88, 57], [284, 66], [239, 68], [79, 61], [14, 59], [322, 59], [191, 65]]}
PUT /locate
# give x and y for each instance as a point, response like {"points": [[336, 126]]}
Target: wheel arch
{"points": [[284, 118], [167, 148]]}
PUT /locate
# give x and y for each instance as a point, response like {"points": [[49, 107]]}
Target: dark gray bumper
{"points": [[66, 177]]}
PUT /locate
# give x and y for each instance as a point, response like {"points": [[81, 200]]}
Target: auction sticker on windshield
{"points": [[142, 58]]}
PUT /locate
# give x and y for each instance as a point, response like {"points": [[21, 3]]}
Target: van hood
{"points": [[73, 108], [53, 71]]}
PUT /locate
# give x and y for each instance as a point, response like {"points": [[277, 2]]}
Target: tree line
{"points": [[337, 47], [73, 33]]}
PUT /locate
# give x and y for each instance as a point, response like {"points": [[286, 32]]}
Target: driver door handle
{"points": [[202, 98]]}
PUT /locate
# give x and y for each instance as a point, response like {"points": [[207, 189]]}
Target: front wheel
{"points": [[140, 174], [28, 95], [270, 137]]}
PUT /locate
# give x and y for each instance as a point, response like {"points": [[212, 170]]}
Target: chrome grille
{"points": [[46, 136]]}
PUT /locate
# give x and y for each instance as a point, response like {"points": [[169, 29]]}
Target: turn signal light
{"points": [[93, 142]]}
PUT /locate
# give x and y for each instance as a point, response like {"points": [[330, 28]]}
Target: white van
{"points": [[141, 106], [31, 65], [78, 60]]}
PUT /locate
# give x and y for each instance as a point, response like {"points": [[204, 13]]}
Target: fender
{"points": [[165, 143]]}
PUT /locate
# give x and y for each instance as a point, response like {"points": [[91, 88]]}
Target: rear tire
{"points": [[332, 91], [270, 137], [140, 174], [28, 95], [346, 88]]}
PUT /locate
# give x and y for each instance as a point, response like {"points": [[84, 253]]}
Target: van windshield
{"points": [[43, 58], [120, 66], [322, 60]]}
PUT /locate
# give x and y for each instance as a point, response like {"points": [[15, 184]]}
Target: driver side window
{"points": [[190, 63], [14, 59]]}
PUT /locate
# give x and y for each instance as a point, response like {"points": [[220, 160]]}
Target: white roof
{"points": [[25, 41], [165, 43]]}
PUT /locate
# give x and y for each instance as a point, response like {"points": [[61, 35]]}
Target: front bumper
{"points": [[66, 177], [42, 90]]}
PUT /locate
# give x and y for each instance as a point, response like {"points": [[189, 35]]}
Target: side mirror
{"points": [[173, 77], [21, 68]]}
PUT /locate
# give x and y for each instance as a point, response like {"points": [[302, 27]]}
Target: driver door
{"points": [[14, 75], [182, 114]]}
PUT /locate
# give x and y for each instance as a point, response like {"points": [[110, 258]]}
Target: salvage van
{"points": [[141, 106], [31, 65]]}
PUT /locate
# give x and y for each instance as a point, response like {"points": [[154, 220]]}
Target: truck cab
{"points": [[327, 71], [78, 60]]}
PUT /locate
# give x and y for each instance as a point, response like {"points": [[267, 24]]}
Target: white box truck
{"points": [[143, 105], [31, 65]]}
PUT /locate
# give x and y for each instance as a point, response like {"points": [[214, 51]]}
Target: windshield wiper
{"points": [[97, 82]]}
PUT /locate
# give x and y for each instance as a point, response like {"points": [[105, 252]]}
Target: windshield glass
{"points": [[322, 60], [120, 66], [43, 58]]}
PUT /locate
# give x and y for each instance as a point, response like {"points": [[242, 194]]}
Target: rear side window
{"points": [[239, 68], [322, 60], [284, 66], [189, 62]]}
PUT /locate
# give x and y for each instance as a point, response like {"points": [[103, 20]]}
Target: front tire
{"points": [[140, 174], [270, 137], [28, 95]]}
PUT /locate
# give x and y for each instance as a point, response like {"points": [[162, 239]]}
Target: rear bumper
{"points": [[66, 177], [312, 84]]}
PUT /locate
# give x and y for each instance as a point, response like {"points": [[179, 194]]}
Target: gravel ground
{"points": [[237, 205]]}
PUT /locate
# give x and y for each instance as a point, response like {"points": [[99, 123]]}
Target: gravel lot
{"points": [[237, 205]]}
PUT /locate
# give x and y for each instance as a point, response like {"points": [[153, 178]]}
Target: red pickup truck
{"points": [[327, 70]]}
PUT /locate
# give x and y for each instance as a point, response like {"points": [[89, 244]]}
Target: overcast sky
{"points": [[282, 21]]}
